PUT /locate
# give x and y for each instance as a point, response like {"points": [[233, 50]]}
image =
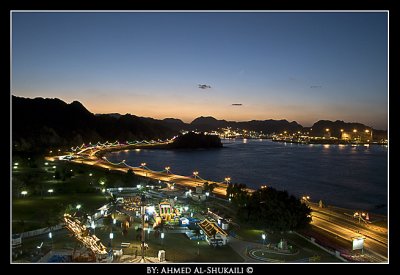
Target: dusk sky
{"points": [[294, 66]]}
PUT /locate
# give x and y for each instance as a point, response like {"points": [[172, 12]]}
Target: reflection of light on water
{"points": [[245, 140], [326, 146], [341, 146]]}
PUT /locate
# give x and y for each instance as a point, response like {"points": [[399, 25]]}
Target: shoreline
{"points": [[97, 159]]}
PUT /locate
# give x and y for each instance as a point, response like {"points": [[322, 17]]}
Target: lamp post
{"points": [[111, 238], [51, 238], [167, 169], [227, 180], [143, 213], [263, 236], [24, 193], [143, 165], [195, 174]]}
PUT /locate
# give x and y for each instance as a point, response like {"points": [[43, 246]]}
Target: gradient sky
{"points": [[294, 66]]}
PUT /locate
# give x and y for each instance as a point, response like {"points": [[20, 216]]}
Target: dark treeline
{"points": [[269, 208]]}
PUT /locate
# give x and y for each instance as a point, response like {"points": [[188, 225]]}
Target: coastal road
{"points": [[343, 226]]}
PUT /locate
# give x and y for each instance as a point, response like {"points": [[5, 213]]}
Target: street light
{"points": [[167, 169], [50, 191], [51, 238], [78, 206], [24, 193], [111, 238], [207, 194], [195, 173], [143, 165], [162, 237], [198, 249], [327, 129], [228, 179], [263, 236]]}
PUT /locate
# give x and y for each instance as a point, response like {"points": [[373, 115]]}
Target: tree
{"points": [[211, 187], [274, 210]]}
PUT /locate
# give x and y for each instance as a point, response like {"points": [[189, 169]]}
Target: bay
{"points": [[341, 175]]}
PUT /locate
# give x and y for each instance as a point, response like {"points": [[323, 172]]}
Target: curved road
{"points": [[330, 220]]}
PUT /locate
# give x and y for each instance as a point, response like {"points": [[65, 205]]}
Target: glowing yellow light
{"points": [[327, 129], [355, 130]]}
